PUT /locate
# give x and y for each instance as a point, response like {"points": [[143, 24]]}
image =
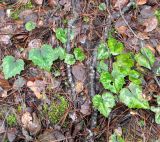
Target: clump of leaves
{"points": [[44, 56], [11, 120], [79, 54], [104, 103], [57, 109], [132, 97], [11, 66], [102, 6], [61, 34], [145, 58], [29, 26], [69, 59]]}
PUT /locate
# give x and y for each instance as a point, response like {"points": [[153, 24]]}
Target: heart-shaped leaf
{"points": [[112, 84], [146, 58], [11, 66], [115, 46], [69, 59], [132, 97], [43, 57], [102, 51], [104, 103]]}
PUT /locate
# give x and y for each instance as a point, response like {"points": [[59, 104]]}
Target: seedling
{"points": [[30, 26]]}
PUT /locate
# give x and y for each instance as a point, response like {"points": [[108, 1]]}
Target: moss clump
{"points": [[11, 120], [15, 13], [57, 109]]}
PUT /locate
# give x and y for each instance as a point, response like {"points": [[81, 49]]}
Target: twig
{"points": [[68, 49]]}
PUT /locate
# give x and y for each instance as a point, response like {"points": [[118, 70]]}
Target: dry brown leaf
{"points": [[86, 108], [79, 72], [143, 36], [141, 2], [11, 134], [121, 29], [150, 24], [37, 87], [4, 84], [79, 86], [120, 3]]}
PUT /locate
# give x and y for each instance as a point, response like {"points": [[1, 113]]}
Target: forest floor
{"points": [[80, 70]]}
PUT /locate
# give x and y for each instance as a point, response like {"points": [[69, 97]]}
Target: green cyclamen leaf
{"points": [[113, 85], [69, 59], [29, 26], [43, 57], [11, 66], [61, 34], [149, 55], [102, 66], [104, 103], [60, 52], [142, 60], [79, 54], [115, 46], [157, 113], [102, 51], [132, 97], [134, 76]]}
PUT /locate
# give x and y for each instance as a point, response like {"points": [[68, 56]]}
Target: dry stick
{"points": [[141, 40], [68, 49], [92, 76]]}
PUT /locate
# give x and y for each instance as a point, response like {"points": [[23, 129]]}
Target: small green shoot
{"points": [[29, 26], [102, 6], [102, 51], [11, 120]]}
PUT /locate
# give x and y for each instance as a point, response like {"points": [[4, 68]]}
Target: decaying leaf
{"points": [[37, 87], [141, 2], [120, 3], [51, 136], [79, 86], [31, 123], [11, 134], [150, 24], [86, 108]]}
